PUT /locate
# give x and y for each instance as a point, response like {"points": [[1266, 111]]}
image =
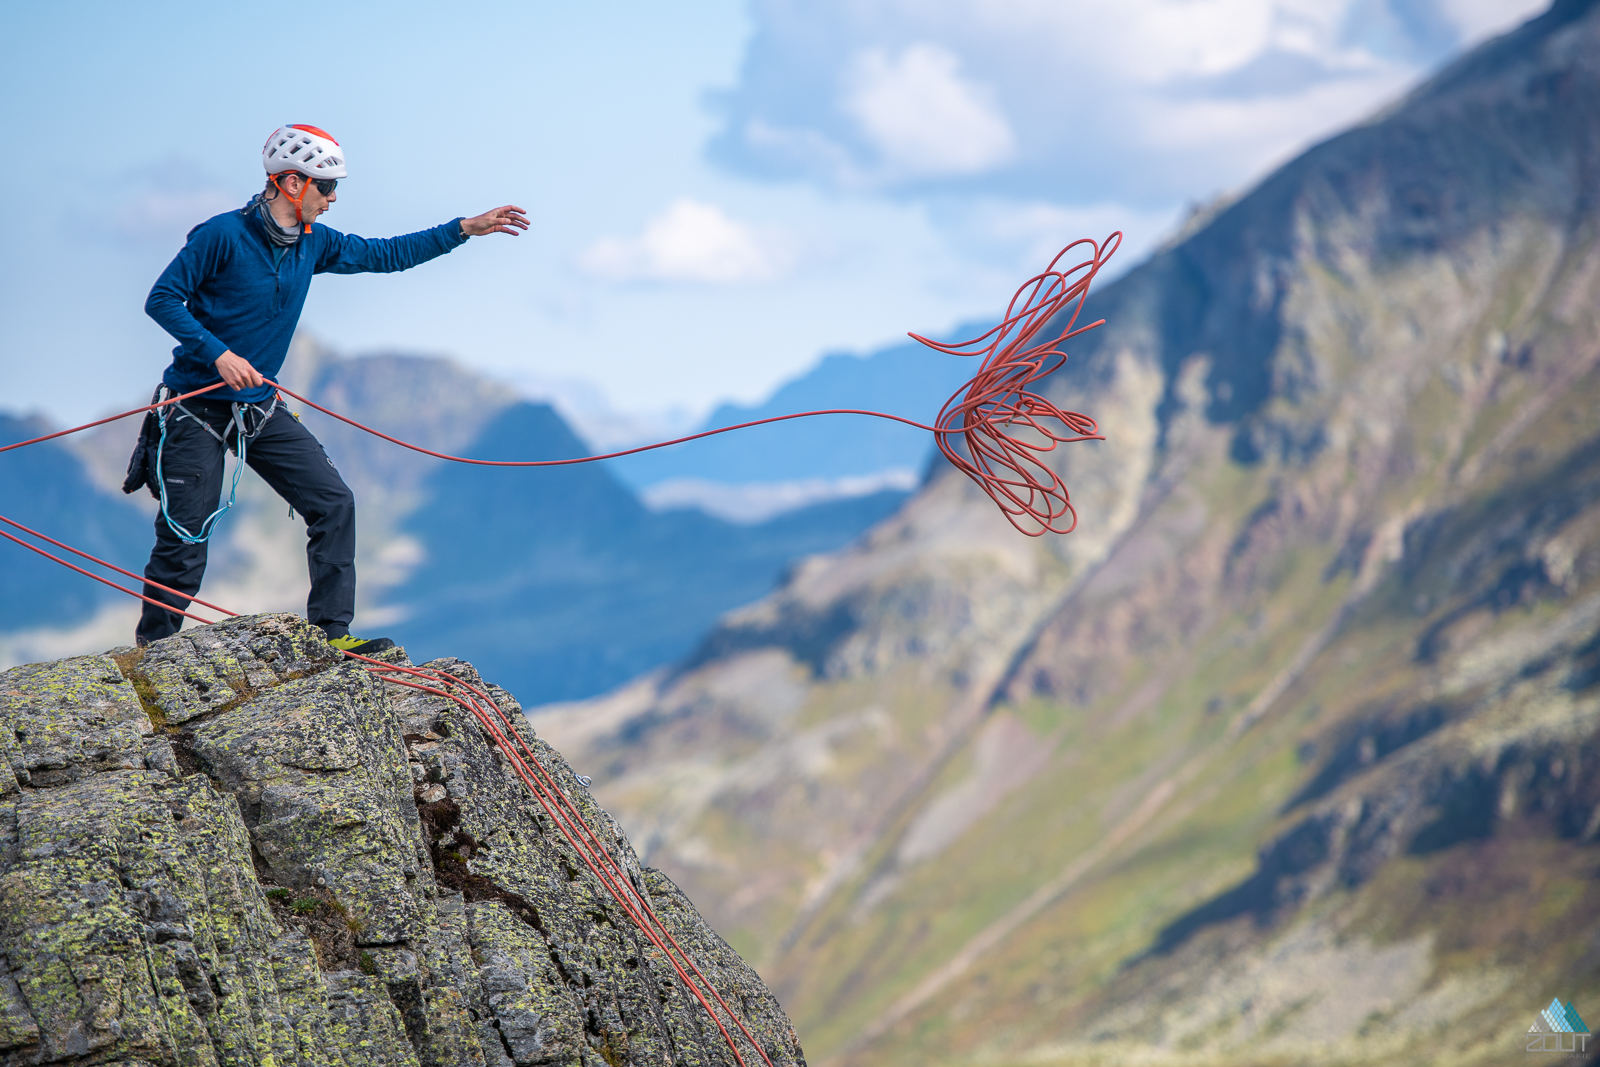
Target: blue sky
{"points": [[721, 191]]}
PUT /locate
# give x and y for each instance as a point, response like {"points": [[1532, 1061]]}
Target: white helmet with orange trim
{"points": [[305, 149]]}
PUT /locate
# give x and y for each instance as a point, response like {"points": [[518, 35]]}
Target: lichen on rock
{"points": [[236, 848]]}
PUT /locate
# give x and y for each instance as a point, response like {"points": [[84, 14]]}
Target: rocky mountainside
{"points": [[1291, 753], [234, 847]]}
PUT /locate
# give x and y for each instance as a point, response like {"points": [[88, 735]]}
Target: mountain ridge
{"points": [[904, 379], [1225, 781], [618, 589]]}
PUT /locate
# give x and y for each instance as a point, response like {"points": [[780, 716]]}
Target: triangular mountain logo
{"points": [[1559, 1019]]}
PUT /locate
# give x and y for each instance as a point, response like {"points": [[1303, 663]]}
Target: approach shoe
{"points": [[361, 646]]}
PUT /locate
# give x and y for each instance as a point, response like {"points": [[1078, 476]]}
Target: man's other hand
{"points": [[508, 219], [237, 372]]}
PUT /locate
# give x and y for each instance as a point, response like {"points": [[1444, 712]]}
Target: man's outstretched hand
{"points": [[508, 219]]}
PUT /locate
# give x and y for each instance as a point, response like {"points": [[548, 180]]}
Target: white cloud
{"points": [[1022, 237], [1139, 102], [691, 241], [922, 116], [1477, 18]]}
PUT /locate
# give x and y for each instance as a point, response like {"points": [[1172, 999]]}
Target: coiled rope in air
{"points": [[982, 412], [973, 431]]}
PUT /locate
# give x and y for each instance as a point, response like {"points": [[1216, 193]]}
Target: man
{"points": [[232, 299]]}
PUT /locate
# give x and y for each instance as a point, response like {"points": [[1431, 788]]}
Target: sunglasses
{"points": [[325, 186]]}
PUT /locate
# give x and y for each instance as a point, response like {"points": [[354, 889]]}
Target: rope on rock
{"points": [[564, 813]]}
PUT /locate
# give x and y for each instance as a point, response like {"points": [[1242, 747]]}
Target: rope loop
{"points": [[974, 429]]}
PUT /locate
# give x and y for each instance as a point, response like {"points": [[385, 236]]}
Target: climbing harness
{"points": [[240, 447], [974, 430]]}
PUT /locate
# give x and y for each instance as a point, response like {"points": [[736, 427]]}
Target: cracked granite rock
{"points": [[234, 848]]}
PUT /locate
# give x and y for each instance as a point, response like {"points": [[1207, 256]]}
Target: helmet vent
{"points": [[305, 149]]}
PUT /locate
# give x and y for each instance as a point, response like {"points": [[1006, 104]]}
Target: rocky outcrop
{"points": [[235, 848]]}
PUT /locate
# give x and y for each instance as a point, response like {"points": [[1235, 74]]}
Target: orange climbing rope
{"points": [[564, 813], [109, 566], [982, 412], [974, 431], [112, 418]]}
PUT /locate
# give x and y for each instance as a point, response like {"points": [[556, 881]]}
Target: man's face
{"points": [[315, 203]]}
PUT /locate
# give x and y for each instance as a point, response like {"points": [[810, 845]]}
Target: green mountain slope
{"points": [[1291, 754]]}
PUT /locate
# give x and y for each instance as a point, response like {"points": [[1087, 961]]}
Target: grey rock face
{"points": [[234, 848]]}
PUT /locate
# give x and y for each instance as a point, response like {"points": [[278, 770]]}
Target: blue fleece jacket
{"points": [[224, 293]]}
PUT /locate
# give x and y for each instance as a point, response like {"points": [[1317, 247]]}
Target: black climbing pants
{"points": [[292, 462]]}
